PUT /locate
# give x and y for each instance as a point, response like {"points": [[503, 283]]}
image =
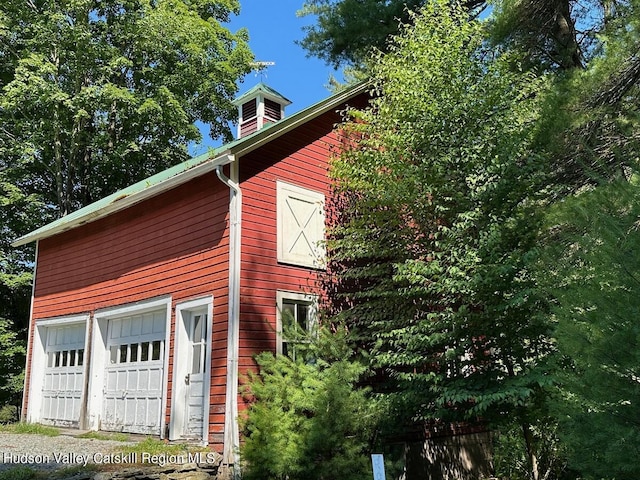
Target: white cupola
{"points": [[259, 107]]}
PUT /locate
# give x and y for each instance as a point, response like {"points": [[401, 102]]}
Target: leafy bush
{"points": [[307, 421], [8, 414], [12, 361]]}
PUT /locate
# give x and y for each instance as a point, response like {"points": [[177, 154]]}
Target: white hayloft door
{"points": [[134, 372]]}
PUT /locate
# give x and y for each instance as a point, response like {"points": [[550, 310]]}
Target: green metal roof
{"points": [[189, 169], [264, 89]]}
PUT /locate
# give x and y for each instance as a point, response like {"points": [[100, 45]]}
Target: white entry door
{"points": [[134, 373], [63, 375], [191, 371], [196, 326]]}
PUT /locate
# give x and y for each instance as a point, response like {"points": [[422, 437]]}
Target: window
{"points": [[198, 337], [64, 344], [136, 352], [65, 358], [300, 226], [297, 318]]}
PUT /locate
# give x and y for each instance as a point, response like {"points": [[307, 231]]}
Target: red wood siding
{"points": [[300, 158], [174, 244]]}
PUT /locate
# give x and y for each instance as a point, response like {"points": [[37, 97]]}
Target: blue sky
{"points": [[273, 30]]}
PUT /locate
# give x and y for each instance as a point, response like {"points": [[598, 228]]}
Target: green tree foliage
{"points": [[438, 213], [596, 286], [347, 30], [509, 452], [590, 132], [545, 32], [12, 356], [441, 197], [17, 214], [590, 127], [557, 34], [307, 420], [444, 193], [549, 34], [95, 95]]}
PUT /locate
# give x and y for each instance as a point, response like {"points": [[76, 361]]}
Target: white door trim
{"points": [[99, 355], [181, 343]]}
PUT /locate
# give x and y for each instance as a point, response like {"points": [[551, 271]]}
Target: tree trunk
{"points": [[564, 33], [527, 434], [531, 452], [57, 148]]}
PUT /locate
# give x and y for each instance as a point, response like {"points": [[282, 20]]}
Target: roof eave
{"points": [[119, 203]]}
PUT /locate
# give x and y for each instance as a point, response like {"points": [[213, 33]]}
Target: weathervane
{"points": [[261, 67]]}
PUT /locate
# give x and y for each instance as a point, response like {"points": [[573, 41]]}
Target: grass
{"points": [[153, 446], [67, 472], [31, 428], [28, 473], [149, 445], [19, 473], [115, 436]]}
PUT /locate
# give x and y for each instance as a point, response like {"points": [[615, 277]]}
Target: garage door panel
{"points": [[155, 378], [142, 413], [109, 416], [132, 381], [79, 381], [136, 328], [144, 379], [158, 324], [134, 375], [146, 326], [130, 412], [126, 328], [63, 378]]}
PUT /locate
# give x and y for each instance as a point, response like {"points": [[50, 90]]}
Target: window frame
{"points": [[283, 296]]}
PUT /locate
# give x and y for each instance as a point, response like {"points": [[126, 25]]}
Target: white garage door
{"points": [[63, 375], [134, 373]]}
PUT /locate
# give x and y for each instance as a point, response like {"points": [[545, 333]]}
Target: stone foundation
{"points": [[187, 471]]}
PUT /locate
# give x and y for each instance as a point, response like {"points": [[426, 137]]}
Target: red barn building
{"points": [[149, 304]]}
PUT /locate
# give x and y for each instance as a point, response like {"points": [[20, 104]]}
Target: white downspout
{"points": [[231, 429]]}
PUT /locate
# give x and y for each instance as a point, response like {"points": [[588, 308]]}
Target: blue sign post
{"points": [[377, 459]]}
